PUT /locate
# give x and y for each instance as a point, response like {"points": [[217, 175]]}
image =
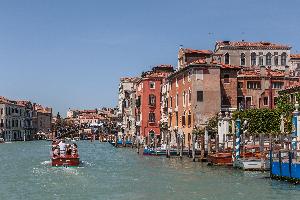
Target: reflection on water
{"points": [[109, 173]]}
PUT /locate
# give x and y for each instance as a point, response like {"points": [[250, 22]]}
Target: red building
{"points": [[148, 102]]}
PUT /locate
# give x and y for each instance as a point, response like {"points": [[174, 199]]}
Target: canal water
{"points": [[110, 173]]}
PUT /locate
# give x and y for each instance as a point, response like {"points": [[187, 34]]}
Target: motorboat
{"points": [[64, 160]]}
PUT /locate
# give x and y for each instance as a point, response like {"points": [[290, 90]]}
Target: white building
{"points": [[127, 102]]}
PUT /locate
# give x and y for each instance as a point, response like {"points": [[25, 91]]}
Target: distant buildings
{"points": [[236, 75], [19, 120], [41, 119]]}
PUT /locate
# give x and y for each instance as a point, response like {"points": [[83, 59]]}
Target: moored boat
{"points": [[2, 140], [224, 158]]}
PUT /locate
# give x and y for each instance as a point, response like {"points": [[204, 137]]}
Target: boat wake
{"points": [[46, 162], [86, 163]]}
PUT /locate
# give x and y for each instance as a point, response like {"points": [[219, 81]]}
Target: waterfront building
{"points": [[148, 108], [27, 125], [295, 63], [197, 91], [259, 88], [42, 119], [127, 104], [12, 120], [253, 54]]}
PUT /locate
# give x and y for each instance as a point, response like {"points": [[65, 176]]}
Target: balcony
{"points": [[152, 105], [170, 110], [152, 123], [176, 109]]}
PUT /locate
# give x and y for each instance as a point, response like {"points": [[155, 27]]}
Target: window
{"points": [[190, 97], [253, 85], [152, 85], [138, 102], [171, 103], [199, 96], [189, 119], [152, 117], [227, 58], [298, 65], [243, 59], [152, 100], [240, 85], [253, 58], [189, 76], [268, 58], [261, 59], [266, 100], [276, 58], [283, 58], [226, 78], [183, 99], [277, 85], [183, 119], [199, 74], [176, 113], [226, 100]]}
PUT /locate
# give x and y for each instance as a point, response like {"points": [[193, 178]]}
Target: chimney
{"points": [[262, 71], [286, 71]]}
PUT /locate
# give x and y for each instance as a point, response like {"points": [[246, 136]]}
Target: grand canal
{"points": [[110, 173]]}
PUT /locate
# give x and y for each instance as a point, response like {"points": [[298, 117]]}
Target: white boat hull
{"points": [[252, 164]]}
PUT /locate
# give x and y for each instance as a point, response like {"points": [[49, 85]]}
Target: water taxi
{"points": [[64, 159]]}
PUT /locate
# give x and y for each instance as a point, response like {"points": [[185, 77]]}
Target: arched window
{"points": [[183, 118], [253, 58], [268, 59], [243, 59], [283, 58], [183, 99], [189, 119], [261, 58], [152, 100], [227, 58]]}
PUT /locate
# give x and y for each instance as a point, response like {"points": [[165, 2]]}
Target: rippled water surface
{"points": [[110, 173]]}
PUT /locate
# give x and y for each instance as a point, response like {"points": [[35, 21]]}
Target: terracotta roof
{"points": [[188, 50], [261, 44], [226, 66], [198, 61], [251, 73], [297, 56], [129, 79]]}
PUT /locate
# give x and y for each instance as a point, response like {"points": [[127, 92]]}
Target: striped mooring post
{"points": [[238, 139], [295, 126]]}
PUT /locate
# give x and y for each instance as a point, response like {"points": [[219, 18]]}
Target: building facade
{"points": [[42, 119], [127, 104], [148, 108], [13, 120], [253, 54]]}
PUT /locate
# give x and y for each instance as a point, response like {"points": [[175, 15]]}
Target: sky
{"points": [[72, 53]]}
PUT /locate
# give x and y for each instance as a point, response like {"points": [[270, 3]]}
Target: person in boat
{"points": [[74, 149], [68, 150], [56, 151], [62, 147]]}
